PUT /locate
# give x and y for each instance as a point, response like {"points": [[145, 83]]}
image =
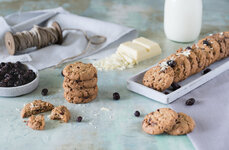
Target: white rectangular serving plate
{"points": [[135, 83]]}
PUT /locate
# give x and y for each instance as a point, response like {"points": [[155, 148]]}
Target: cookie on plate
{"points": [[160, 121], [201, 57], [191, 57], [184, 125], [60, 113], [80, 71], [219, 37], [208, 53], [209, 43], [79, 100], [226, 38], [79, 84], [159, 77], [36, 107], [181, 66], [36, 122]]}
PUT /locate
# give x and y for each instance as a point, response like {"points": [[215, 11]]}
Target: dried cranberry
{"points": [[206, 71], [116, 96], [137, 113], [188, 47], [79, 119], [205, 42], [171, 63], [190, 101], [175, 86], [44, 92]]}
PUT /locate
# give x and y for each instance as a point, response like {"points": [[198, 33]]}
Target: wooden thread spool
{"points": [[10, 39]]}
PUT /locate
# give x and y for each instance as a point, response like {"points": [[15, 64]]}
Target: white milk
{"points": [[182, 19]]}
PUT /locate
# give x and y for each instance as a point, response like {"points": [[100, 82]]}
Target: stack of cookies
{"points": [[188, 61], [80, 83], [166, 120]]}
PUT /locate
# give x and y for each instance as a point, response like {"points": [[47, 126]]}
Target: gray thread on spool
{"points": [[37, 37], [43, 36]]}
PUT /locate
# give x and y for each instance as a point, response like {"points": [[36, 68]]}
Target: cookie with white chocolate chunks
{"points": [[60, 113], [159, 77], [226, 39], [160, 121], [36, 122], [181, 66], [184, 125], [200, 56], [36, 107], [80, 71], [209, 43], [191, 57], [219, 37]]}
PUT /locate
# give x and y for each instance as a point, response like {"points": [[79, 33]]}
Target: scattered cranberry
{"points": [[137, 113], [116, 96], [175, 86], [206, 71], [79, 119], [166, 93], [171, 63], [190, 101], [44, 92]]}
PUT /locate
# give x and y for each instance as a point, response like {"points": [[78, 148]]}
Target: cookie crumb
{"points": [[104, 109]]}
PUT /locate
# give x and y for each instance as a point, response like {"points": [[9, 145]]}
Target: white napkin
{"points": [[211, 113], [74, 42]]}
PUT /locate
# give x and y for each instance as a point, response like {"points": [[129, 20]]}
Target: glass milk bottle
{"points": [[182, 19]]}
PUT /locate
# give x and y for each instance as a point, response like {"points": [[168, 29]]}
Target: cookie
{"points": [[191, 57], [184, 124], [226, 38], [36, 107], [36, 122], [159, 77], [160, 121], [79, 84], [81, 93], [79, 100], [60, 113], [219, 37], [208, 53], [80, 71], [182, 67], [200, 56], [210, 44]]}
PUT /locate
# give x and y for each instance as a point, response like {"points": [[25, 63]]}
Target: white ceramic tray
{"points": [[23, 89], [135, 83]]}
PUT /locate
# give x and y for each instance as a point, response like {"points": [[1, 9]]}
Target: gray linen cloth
{"points": [[74, 41], [211, 113]]}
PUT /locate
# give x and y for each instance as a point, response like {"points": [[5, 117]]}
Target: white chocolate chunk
{"points": [[133, 50], [153, 47], [128, 54]]}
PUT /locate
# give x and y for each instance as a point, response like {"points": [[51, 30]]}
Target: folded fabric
{"points": [[74, 41], [211, 113]]}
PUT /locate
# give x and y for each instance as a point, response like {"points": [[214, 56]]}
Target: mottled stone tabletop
{"points": [[106, 124]]}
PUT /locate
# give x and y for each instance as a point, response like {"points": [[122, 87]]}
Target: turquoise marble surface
{"points": [[107, 124]]}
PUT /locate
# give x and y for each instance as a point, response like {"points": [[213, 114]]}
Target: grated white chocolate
{"points": [[163, 65], [185, 53]]}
